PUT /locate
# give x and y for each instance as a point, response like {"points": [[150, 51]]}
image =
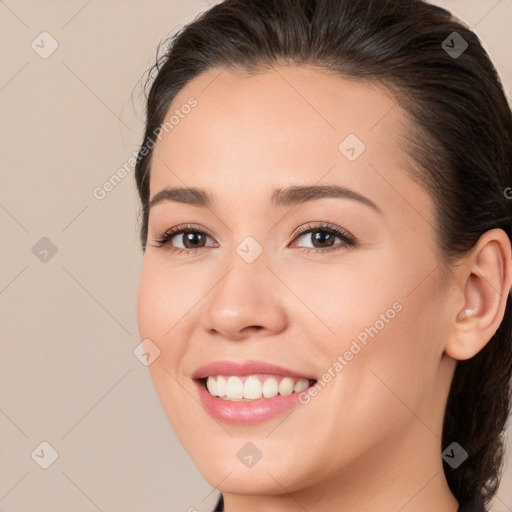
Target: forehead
{"points": [[286, 125]]}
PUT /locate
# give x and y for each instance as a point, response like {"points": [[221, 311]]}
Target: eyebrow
{"points": [[280, 197]]}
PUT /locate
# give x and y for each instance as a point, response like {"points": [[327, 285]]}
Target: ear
{"points": [[482, 285]]}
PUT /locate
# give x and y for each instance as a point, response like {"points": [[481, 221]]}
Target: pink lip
{"points": [[245, 368], [245, 412]]}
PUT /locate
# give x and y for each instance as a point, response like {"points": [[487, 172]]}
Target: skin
{"points": [[371, 439]]}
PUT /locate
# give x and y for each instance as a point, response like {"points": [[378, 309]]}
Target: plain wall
{"points": [[68, 375]]}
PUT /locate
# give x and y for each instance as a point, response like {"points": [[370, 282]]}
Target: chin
{"points": [[266, 477]]}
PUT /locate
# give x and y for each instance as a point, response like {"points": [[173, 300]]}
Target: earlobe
{"points": [[485, 280]]}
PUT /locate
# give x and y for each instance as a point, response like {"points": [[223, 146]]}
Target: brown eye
{"points": [[183, 238], [192, 239], [322, 238]]}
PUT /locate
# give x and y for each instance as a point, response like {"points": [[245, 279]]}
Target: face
{"points": [[341, 288]]}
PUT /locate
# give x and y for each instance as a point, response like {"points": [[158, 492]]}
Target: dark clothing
{"points": [[467, 507], [220, 505]]}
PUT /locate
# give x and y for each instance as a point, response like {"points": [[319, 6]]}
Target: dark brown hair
{"points": [[461, 142]]}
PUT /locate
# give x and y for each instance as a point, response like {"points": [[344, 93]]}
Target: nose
{"points": [[247, 300]]}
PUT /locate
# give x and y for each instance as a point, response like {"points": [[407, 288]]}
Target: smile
{"points": [[249, 391]]}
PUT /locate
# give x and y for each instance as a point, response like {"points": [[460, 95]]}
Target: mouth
{"points": [[248, 392], [253, 387]]}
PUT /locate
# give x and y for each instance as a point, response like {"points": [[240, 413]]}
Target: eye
{"points": [[322, 237], [189, 238]]}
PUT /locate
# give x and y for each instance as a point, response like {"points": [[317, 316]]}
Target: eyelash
{"points": [[347, 239]]}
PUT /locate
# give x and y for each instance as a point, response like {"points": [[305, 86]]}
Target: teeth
{"points": [[211, 387], [235, 388], [300, 385], [286, 386], [254, 388], [270, 388], [221, 386], [218, 388]]}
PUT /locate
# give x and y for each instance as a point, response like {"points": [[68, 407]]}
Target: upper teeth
{"points": [[234, 388]]}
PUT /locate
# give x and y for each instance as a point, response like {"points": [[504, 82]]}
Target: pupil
{"points": [[190, 237], [322, 236]]}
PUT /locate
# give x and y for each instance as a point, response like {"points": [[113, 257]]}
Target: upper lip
{"points": [[245, 368]]}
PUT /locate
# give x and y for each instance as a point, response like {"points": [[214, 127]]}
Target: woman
{"points": [[327, 267]]}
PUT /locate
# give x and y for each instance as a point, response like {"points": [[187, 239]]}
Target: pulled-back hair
{"points": [[460, 142]]}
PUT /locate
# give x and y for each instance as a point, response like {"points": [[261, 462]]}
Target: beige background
{"points": [[68, 375]]}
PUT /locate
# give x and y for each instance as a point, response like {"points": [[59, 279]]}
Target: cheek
{"points": [[400, 362], [162, 300], [161, 315], [382, 381], [341, 300], [382, 325]]}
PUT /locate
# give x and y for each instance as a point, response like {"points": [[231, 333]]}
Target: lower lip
{"points": [[246, 412]]}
